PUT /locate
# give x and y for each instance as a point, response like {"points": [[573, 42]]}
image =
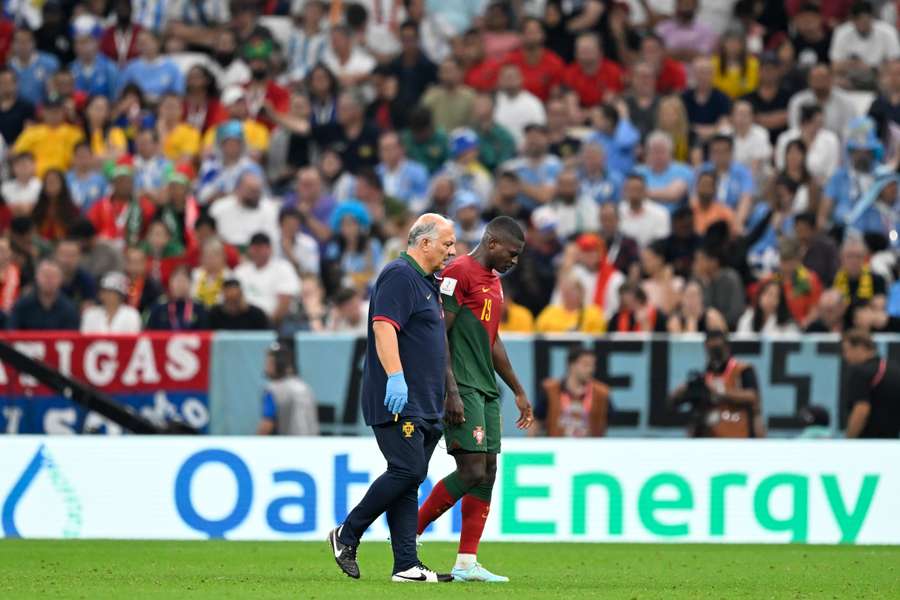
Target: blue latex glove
{"points": [[396, 393]]}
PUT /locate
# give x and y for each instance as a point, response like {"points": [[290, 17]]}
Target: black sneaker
{"points": [[420, 574], [344, 555]]}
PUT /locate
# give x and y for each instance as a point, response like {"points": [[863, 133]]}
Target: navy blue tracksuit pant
{"points": [[407, 445]]}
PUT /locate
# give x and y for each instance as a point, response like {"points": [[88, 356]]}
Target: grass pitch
{"points": [[137, 569]]}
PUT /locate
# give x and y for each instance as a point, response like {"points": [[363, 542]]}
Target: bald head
{"points": [[431, 242]]}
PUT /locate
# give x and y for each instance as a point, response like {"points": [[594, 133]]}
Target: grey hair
{"points": [[660, 136], [426, 227]]}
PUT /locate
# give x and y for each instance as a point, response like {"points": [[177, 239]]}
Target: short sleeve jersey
{"points": [[474, 294], [407, 297]]}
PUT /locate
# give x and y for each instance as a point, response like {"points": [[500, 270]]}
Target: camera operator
{"points": [[289, 406], [874, 384], [724, 400]]}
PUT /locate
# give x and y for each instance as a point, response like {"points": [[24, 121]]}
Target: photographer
{"points": [[289, 406], [724, 401], [873, 385]]}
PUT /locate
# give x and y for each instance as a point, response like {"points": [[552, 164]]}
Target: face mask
{"points": [[259, 74]]}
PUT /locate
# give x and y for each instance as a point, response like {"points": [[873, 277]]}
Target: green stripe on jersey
{"points": [[470, 351]]}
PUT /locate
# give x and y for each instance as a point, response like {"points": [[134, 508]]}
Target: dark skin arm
{"points": [[453, 406], [859, 416], [503, 368]]}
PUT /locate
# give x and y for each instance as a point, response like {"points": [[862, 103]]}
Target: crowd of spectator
{"points": [[679, 166]]}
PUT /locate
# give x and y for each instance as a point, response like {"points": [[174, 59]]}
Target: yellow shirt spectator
{"points": [[182, 143], [518, 319], [109, 144], [52, 147], [256, 136], [557, 319], [735, 81]]}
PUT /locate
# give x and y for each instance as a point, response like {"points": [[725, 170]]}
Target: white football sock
{"points": [[465, 561]]}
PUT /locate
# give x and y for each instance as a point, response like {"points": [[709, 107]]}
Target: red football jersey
{"points": [[476, 289]]}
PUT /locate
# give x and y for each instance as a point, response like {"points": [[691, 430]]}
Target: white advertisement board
{"points": [[547, 490]]}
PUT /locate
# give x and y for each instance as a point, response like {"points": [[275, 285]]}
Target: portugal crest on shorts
{"points": [[478, 434], [408, 429]]}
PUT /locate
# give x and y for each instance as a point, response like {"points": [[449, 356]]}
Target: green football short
{"points": [[481, 430]]}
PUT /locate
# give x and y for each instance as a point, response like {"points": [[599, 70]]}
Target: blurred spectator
{"points": [[642, 99], [54, 211], [536, 168], [412, 68], [107, 140], [350, 63], [667, 181], [576, 405], [855, 279], [831, 313], [515, 108], [295, 246], [661, 286], [622, 251], [846, 187], [208, 279], [588, 260], [533, 280], [178, 312], [796, 178], [51, 142], [264, 96], [15, 111], [164, 253], [496, 144], [20, 193], [27, 246], [143, 291], [322, 87], [641, 219], [722, 288], [769, 315], [153, 73], [770, 99], [751, 144], [837, 107], [269, 283], [571, 314], [692, 316], [246, 212], [46, 307], [449, 101], [810, 37], [307, 42], [233, 313], [672, 119], [291, 146], [815, 420], [769, 223], [219, 174], [86, 184], [355, 138], [595, 179], [229, 66], [636, 313], [385, 110], [94, 73], [97, 257], [10, 278], [123, 215], [234, 103], [873, 383], [861, 44], [179, 141], [150, 166], [315, 205], [177, 208], [463, 167], [77, 284], [467, 218], [423, 142], [289, 406], [563, 142], [707, 108], [736, 70], [347, 313], [402, 178], [516, 318], [443, 194], [876, 215], [353, 255], [33, 68], [613, 130], [541, 68], [820, 255], [683, 242], [119, 41], [823, 148], [575, 213], [684, 35], [707, 208], [592, 77], [885, 109], [667, 74], [112, 315], [201, 108]]}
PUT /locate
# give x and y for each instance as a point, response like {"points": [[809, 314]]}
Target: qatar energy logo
{"points": [[42, 462]]}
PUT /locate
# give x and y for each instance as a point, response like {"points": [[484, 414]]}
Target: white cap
{"points": [[231, 95], [116, 282], [544, 218]]}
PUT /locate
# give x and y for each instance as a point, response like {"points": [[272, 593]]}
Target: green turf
{"points": [[131, 570]]}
